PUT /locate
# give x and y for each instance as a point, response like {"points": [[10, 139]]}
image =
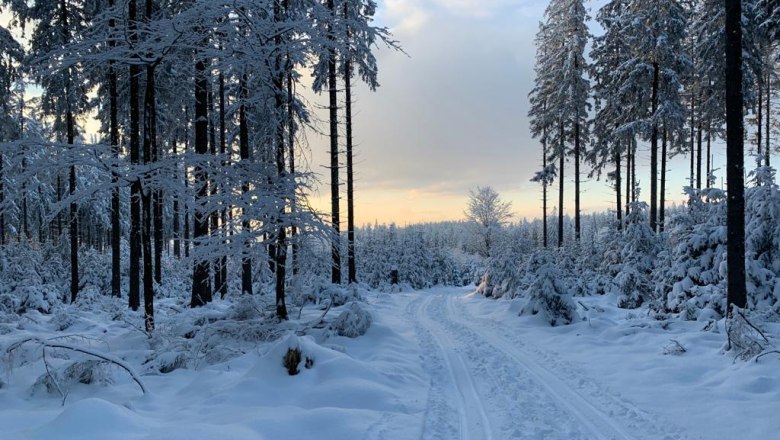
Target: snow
{"points": [[438, 364]]}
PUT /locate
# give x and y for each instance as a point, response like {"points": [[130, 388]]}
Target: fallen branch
{"points": [[766, 353], [48, 343], [754, 327]]}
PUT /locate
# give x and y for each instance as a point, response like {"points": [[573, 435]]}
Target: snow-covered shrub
{"points": [[698, 257], [762, 239], [59, 381], [94, 270], [640, 248], [548, 295], [354, 321]]}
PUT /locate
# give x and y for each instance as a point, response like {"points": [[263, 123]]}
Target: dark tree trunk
{"points": [[654, 154], [201, 292], [735, 168], [693, 137], [544, 189], [176, 226], [334, 154], [562, 162], [134, 295], [2, 199], [350, 180], [71, 136], [767, 150], [222, 266], [243, 136], [699, 137], [759, 118], [281, 121], [291, 133], [577, 225], [709, 157], [634, 197], [628, 177], [116, 228], [215, 231], [150, 147], [662, 203], [618, 184]]}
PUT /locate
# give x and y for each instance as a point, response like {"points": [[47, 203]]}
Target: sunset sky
{"points": [[452, 115]]}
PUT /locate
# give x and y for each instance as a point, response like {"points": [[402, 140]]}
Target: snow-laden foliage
{"points": [[697, 273], [548, 296], [354, 321]]}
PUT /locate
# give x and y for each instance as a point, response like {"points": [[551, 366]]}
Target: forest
{"points": [[157, 234]]}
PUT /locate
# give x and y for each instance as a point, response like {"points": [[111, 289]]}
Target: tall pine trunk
{"points": [[201, 289], [544, 188], [116, 228], [335, 275], [246, 226], [281, 119], [150, 145], [618, 185], [222, 266], [134, 295], [735, 167], [291, 141], [577, 225], [699, 142], [562, 162], [662, 203], [176, 223], [352, 270], [654, 153]]}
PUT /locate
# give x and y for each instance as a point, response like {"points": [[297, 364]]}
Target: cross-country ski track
{"points": [[487, 383]]}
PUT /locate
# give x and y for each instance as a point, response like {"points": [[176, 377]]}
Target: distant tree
{"points": [[11, 55], [489, 213]]}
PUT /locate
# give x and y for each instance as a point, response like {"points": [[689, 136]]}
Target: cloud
{"points": [[405, 16], [485, 8]]}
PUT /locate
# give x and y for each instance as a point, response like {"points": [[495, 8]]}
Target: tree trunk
{"points": [[628, 177], [215, 230], [735, 168], [116, 228], [243, 136], [291, 133], [759, 118], [577, 226], [654, 153], [698, 155], [618, 184], [562, 162], [350, 181], [201, 292], [693, 135], [709, 157], [544, 188], [767, 150], [335, 275], [662, 203], [281, 122], [2, 200], [176, 226], [150, 145], [134, 295], [71, 135], [222, 266]]}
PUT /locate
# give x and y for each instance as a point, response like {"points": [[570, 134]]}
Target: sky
{"points": [[451, 115]]}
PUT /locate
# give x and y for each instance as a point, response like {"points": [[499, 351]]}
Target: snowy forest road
{"points": [[487, 383]]}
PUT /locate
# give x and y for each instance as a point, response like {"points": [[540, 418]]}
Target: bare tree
{"points": [[488, 212]]}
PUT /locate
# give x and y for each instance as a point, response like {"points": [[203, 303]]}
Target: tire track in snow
{"points": [[603, 422], [457, 383]]}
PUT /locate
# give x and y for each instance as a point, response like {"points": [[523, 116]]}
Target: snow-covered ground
{"points": [[438, 364]]}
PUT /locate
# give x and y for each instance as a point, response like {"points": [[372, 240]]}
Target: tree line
{"points": [[201, 120]]}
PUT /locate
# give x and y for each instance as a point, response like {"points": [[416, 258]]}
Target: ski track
{"points": [[603, 414]]}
